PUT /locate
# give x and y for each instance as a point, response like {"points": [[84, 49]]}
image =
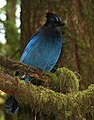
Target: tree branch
{"points": [[62, 106], [23, 69], [57, 82], [48, 101]]}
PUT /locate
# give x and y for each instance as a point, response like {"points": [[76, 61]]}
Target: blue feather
{"points": [[42, 52], [29, 45]]}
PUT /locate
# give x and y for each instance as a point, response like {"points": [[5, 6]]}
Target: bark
{"points": [[23, 69]]}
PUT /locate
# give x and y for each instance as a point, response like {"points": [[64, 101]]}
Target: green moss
{"points": [[68, 80], [64, 80], [51, 104]]}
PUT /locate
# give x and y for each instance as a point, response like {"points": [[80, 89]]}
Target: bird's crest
{"points": [[52, 16], [53, 19]]}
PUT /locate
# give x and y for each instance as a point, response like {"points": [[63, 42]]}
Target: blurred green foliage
{"points": [[11, 31]]}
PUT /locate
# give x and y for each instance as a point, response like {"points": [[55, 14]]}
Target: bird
{"points": [[42, 51]]}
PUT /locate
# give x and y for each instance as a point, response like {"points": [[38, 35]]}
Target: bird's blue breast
{"points": [[42, 51]]}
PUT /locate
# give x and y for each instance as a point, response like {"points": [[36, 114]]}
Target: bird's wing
{"points": [[31, 42]]}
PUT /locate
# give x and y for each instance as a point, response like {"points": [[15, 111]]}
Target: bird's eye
{"points": [[55, 20], [52, 19]]}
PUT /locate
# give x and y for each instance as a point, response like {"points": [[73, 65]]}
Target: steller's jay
{"points": [[42, 51]]}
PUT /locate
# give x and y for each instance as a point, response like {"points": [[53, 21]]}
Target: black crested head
{"points": [[53, 20]]}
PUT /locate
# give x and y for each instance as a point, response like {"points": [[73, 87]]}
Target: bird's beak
{"points": [[61, 24]]}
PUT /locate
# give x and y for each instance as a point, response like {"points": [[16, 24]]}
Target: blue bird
{"points": [[42, 51]]}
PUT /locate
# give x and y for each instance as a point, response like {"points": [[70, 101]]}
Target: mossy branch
{"points": [[48, 101], [63, 80], [61, 106], [23, 69]]}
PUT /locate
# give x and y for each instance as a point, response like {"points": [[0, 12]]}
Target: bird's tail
{"points": [[11, 105]]}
